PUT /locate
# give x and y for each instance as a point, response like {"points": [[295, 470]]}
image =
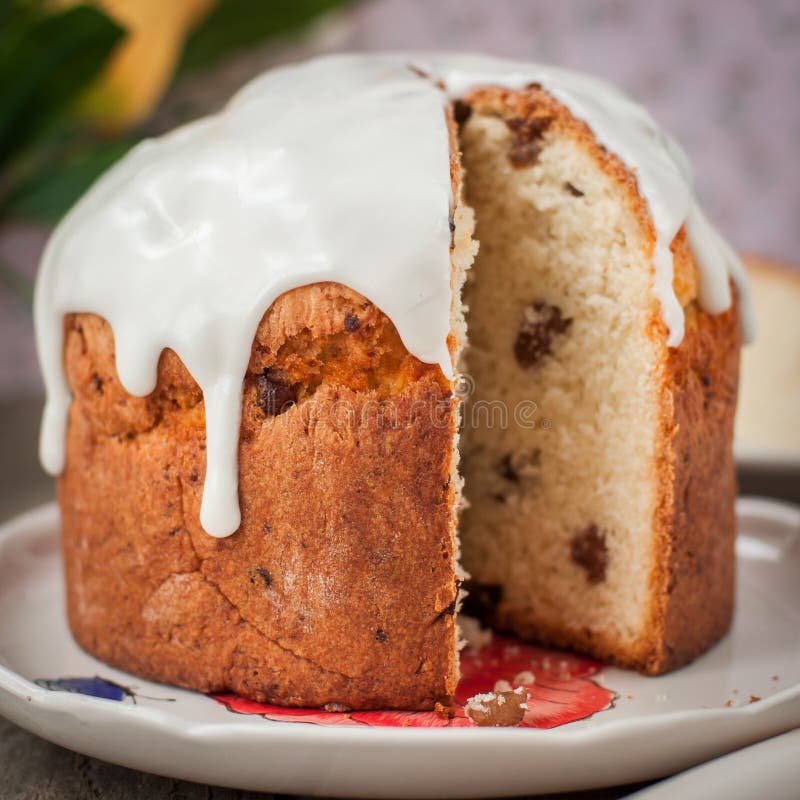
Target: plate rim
{"points": [[28, 693]]}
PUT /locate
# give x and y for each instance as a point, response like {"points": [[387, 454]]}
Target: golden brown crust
{"points": [[693, 579], [339, 586]]}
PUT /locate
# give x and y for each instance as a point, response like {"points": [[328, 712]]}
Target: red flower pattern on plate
{"points": [[562, 691]]}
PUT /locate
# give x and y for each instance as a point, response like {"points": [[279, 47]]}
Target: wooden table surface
{"points": [[34, 769]]}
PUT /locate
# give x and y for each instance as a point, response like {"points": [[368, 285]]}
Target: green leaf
{"points": [[45, 62], [61, 180], [237, 24]]}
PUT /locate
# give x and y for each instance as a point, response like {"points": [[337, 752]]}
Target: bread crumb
{"points": [[444, 711], [729, 704], [526, 677], [498, 709], [754, 698]]}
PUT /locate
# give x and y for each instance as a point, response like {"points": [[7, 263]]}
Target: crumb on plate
{"points": [[498, 709]]}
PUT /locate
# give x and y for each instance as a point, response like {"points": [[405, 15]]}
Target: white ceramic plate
{"points": [[767, 769], [655, 727]]}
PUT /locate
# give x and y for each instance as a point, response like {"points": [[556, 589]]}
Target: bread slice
{"points": [[597, 460], [606, 526], [767, 424]]}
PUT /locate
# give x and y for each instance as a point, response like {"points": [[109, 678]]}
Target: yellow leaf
{"points": [[142, 66]]}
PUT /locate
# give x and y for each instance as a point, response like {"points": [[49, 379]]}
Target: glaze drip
{"points": [[333, 170]]}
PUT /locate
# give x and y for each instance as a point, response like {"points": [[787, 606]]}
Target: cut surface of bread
{"points": [[560, 447], [569, 437], [597, 461]]}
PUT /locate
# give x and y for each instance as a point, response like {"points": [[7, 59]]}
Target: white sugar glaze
{"points": [[333, 170]]}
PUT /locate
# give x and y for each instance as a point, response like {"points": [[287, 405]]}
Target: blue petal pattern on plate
{"points": [[103, 688], [94, 687]]}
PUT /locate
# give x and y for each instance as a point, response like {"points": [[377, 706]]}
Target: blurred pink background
{"points": [[723, 76]]}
